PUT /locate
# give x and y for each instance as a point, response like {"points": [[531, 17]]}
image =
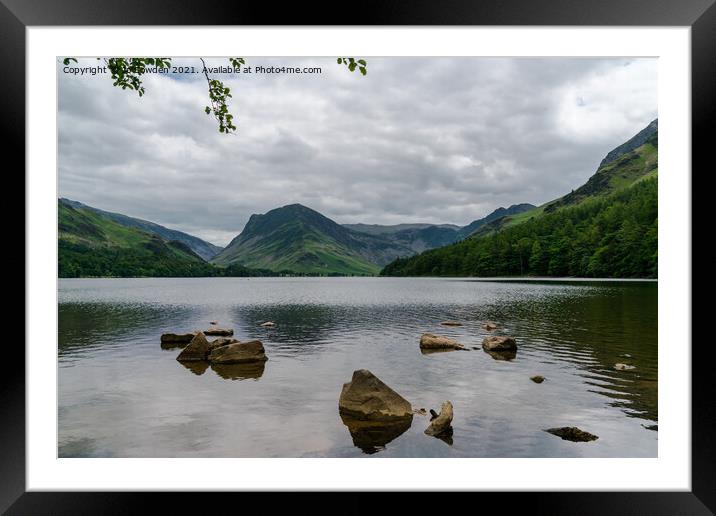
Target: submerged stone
{"points": [[572, 433], [219, 332], [624, 367], [429, 341], [537, 379], [177, 338]]}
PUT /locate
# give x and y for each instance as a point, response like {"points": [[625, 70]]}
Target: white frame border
{"points": [[670, 471]]}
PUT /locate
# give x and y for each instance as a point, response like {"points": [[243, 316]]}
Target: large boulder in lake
{"points": [[499, 343], [196, 350], [221, 332], [177, 338], [367, 397], [239, 353], [441, 425], [430, 341]]}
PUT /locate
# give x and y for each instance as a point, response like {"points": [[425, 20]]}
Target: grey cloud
{"points": [[443, 140]]}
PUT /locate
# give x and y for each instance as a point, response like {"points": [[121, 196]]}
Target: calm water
{"points": [[122, 395]]}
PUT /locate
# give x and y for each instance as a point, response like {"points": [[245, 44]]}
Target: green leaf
{"points": [[363, 71], [339, 61], [361, 61]]}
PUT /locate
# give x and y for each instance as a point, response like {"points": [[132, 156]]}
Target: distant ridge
{"points": [[204, 249], [632, 143]]}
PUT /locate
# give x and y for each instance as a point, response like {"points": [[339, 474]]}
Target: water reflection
{"points": [[325, 328], [502, 355], [198, 367], [254, 370], [372, 436], [437, 351]]}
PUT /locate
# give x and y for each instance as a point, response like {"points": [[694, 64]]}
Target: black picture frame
{"points": [[700, 15]]}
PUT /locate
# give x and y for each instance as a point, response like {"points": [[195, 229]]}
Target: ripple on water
{"points": [[122, 395]]}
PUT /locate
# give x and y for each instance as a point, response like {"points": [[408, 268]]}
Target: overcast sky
{"points": [[440, 140]]}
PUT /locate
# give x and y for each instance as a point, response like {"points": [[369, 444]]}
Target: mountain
{"points": [[473, 226], [638, 140], [416, 237], [204, 249], [91, 244], [298, 239], [607, 227]]}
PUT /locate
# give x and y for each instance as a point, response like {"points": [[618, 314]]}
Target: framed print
{"points": [[430, 251]]}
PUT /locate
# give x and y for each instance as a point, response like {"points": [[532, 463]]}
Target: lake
{"points": [[122, 395]]}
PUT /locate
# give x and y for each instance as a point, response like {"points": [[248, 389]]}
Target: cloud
{"points": [[443, 140]]}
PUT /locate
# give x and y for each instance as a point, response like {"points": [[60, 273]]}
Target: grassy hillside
{"points": [[613, 236], [297, 247], [90, 245], [204, 249], [297, 238], [605, 228]]}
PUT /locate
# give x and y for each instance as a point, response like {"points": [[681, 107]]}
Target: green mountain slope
{"points": [[299, 239], [475, 225], [204, 249], [605, 228], [91, 245], [416, 237]]}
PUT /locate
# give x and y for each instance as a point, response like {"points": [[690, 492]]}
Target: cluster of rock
{"points": [[219, 353], [375, 414], [222, 350], [499, 347]]}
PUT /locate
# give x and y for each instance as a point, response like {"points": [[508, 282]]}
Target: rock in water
{"points": [[221, 341], [489, 326], [441, 425], [572, 433], [268, 324], [430, 341], [624, 367], [366, 397], [451, 323], [496, 343], [213, 322], [239, 353], [177, 338], [537, 379], [196, 350], [219, 331]]}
